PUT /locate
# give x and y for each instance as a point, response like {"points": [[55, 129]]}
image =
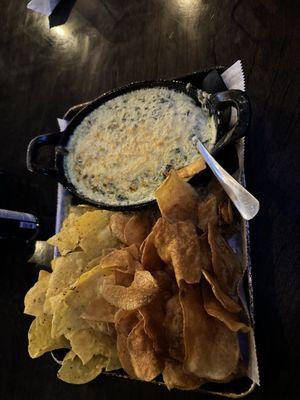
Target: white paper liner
{"points": [[44, 7], [233, 78]]}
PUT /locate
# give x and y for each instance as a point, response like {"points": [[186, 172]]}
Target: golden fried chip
{"points": [[106, 328], [39, 337], [174, 376], [177, 200], [94, 233], [123, 278], [207, 212], [173, 326], [226, 301], [73, 371], [113, 361], [122, 259], [35, 297], [153, 315], [136, 229], [192, 169], [117, 225], [145, 362], [68, 238], [211, 349], [225, 212], [125, 321], [99, 309], [67, 270], [214, 308], [226, 265], [87, 343], [141, 292], [150, 258], [178, 244], [68, 306]]}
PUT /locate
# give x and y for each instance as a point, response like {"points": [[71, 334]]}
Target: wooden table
{"points": [[108, 43]]}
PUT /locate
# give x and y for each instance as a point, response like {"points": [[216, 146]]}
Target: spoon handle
{"points": [[244, 201]]}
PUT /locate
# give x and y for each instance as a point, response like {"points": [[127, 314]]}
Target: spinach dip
{"points": [[122, 151]]}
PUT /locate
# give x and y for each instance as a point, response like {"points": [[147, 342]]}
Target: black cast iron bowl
{"points": [[215, 103]]}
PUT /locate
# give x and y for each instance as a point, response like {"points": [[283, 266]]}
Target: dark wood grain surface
{"points": [[105, 44]]}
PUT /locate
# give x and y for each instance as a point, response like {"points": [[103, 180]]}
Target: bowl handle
{"points": [[240, 101], [51, 139]]}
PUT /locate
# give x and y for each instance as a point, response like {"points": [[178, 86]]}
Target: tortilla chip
{"points": [[87, 343], [68, 238], [211, 349], [174, 376], [35, 297], [99, 309], [145, 362], [39, 337], [173, 326], [141, 292], [94, 233], [214, 308], [136, 229], [192, 169], [73, 371], [226, 301], [207, 212], [67, 270], [68, 306], [124, 323], [117, 223], [106, 328], [226, 265], [177, 200], [178, 244]]}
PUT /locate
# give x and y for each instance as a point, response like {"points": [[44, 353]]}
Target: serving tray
{"points": [[232, 159]]}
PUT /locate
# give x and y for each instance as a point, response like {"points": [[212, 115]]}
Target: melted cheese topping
{"points": [[121, 152]]}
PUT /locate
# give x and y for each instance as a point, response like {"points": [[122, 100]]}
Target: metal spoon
{"points": [[244, 201]]}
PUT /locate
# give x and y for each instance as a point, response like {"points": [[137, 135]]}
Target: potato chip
{"points": [[99, 309], [177, 200], [226, 301], [136, 229], [73, 371], [211, 349], [178, 244], [87, 343], [123, 278], [68, 238], [122, 259], [153, 315], [39, 337], [207, 212], [125, 321], [226, 265], [141, 292], [150, 258], [67, 270], [35, 297], [113, 361], [173, 325], [192, 169], [117, 225], [205, 252], [225, 212], [214, 308], [174, 376], [145, 362]]}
